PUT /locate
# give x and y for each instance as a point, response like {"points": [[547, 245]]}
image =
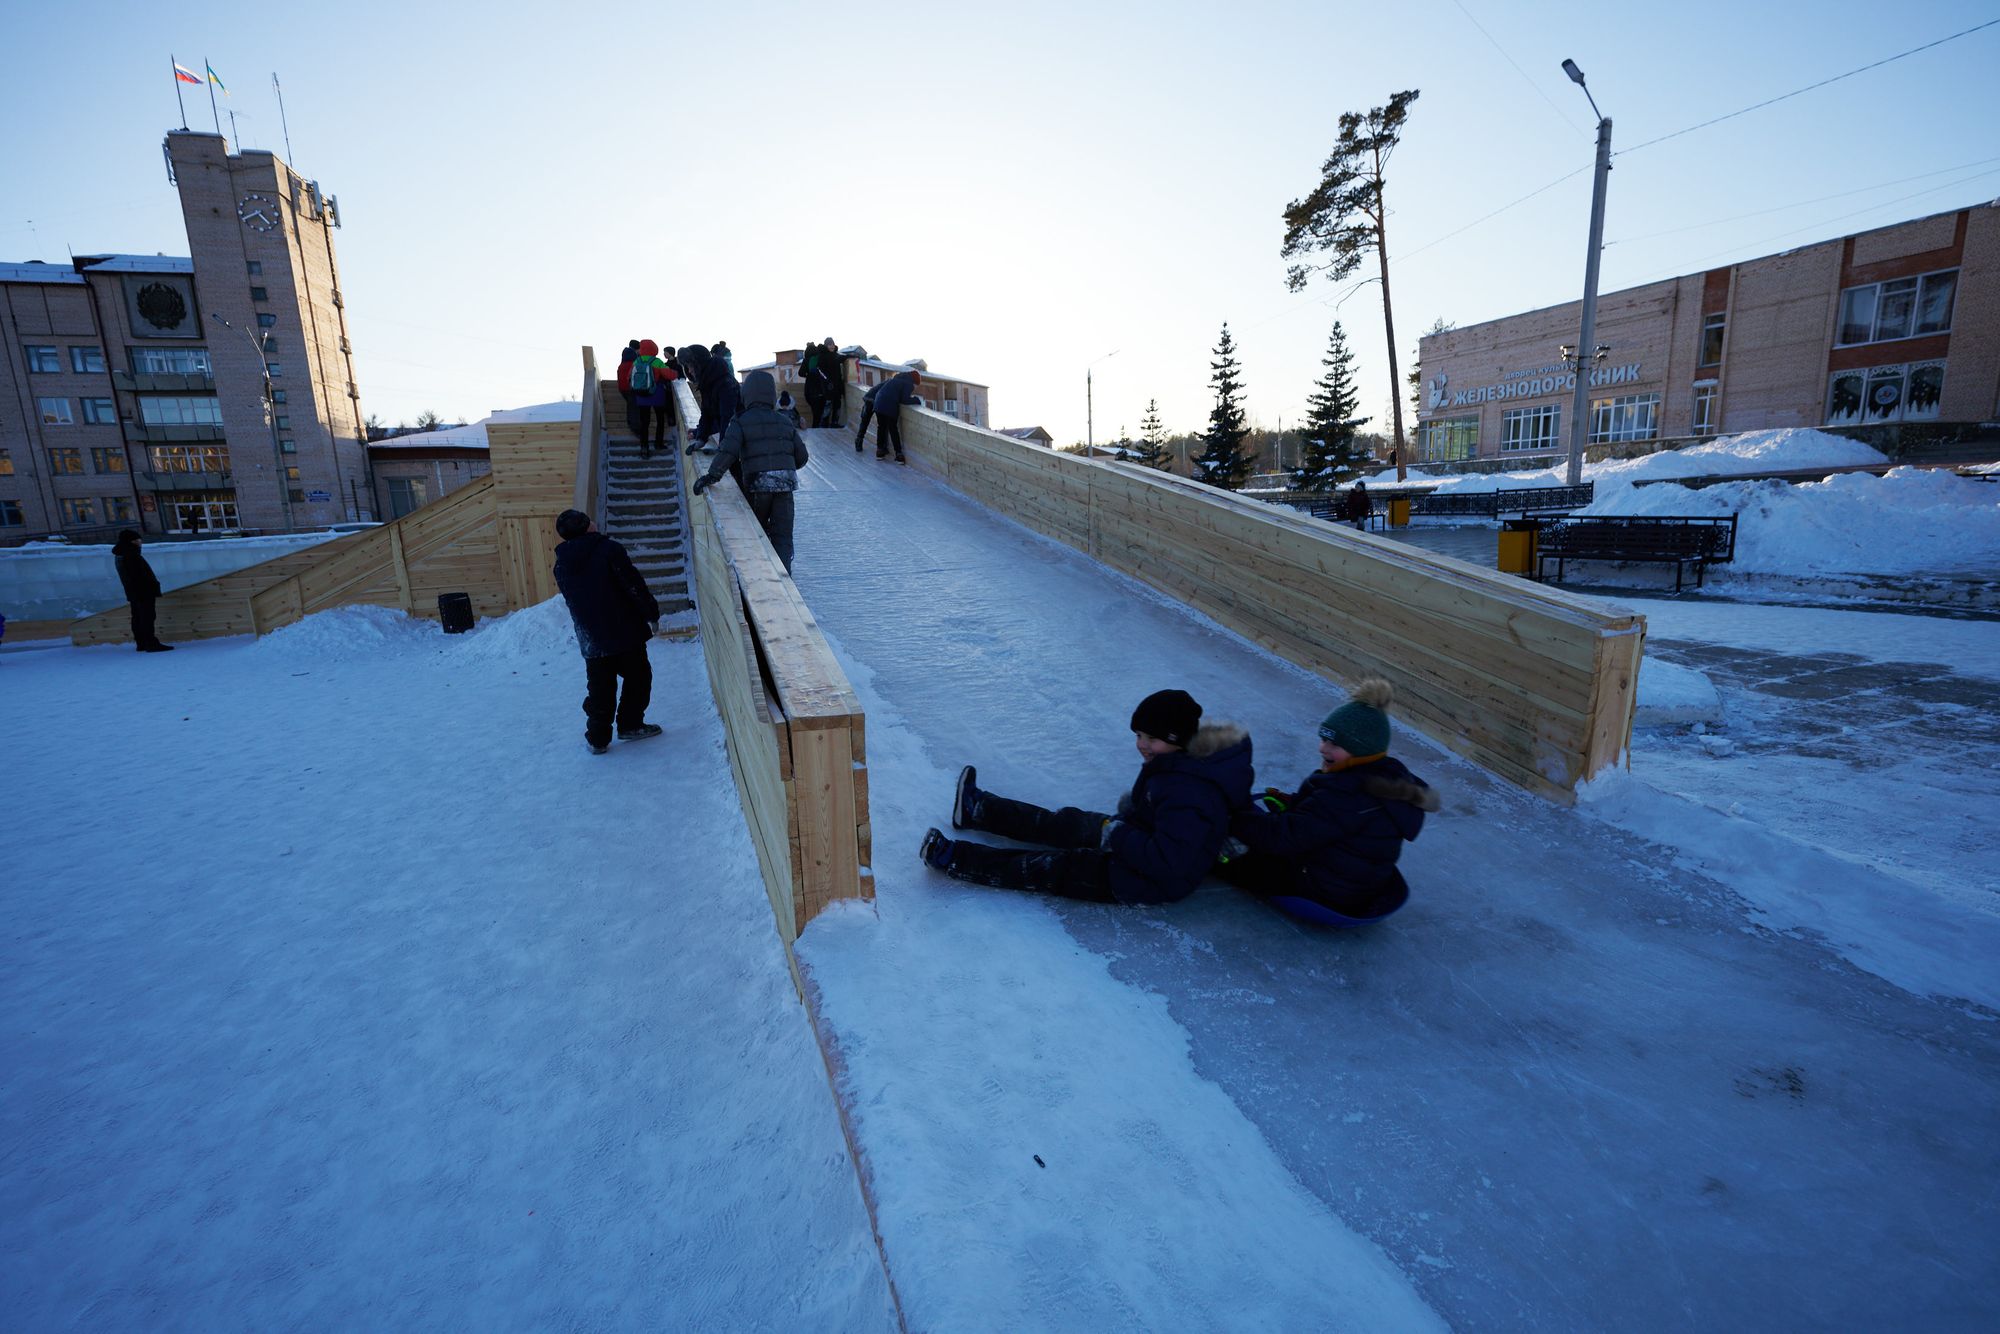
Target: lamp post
{"points": [[1586, 337], [270, 420], [1089, 418]]}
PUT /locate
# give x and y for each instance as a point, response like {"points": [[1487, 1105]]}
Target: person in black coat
{"points": [[1335, 842], [890, 397], [833, 384], [815, 383], [1156, 849], [142, 590], [765, 451], [615, 614], [1358, 504]]}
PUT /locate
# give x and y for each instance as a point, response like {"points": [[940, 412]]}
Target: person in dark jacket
{"points": [[1358, 504], [764, 448], [1334, 843], [615, 614], [635, 416], [715, 387], [833, 384], [1156, 849], [142, 590], [815, 383], [867, 414], [890, 398]]}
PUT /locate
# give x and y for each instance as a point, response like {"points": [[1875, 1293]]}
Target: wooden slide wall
{"points": [[796, 735], [1533, 683]]}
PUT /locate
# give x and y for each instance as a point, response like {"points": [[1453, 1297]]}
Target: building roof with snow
{"points": [[135, 263], [36, 271], [472, 435]]}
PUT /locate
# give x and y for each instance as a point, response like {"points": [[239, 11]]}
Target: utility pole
{"points": [[1586, 344], [1089, 410]]}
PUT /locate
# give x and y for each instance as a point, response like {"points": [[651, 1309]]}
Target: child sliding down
{"points": [[1156, 849]]}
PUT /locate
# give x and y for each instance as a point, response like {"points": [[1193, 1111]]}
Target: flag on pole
{"points": [[214, 78], [182, 74]]}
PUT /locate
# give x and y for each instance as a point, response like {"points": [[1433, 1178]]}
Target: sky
{"points": [[1023, 196]]}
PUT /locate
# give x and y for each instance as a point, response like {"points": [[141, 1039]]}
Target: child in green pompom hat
{"points": [[1328, 852]]}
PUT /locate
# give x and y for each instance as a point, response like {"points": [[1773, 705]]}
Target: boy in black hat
{"points": [[1334, 843], [615, 615], [1156, 849]]}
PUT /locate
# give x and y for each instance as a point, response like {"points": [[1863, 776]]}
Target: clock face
{"points": [[258, 211]]}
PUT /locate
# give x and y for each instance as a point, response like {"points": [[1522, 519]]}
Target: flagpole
{"points": [[281, 114], [216, 115], [232, 130], [175, 70]]}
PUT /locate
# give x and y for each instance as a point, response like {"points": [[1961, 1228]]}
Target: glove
{"points": [[693, 445], [701, 483], [1110, 827], [1270, 800], [1232, 848]]}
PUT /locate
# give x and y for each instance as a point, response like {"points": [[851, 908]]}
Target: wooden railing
{"points": [[591, 450], [796, 734], [1534, 684]]}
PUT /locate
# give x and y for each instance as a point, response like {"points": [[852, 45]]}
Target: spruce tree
{"points": [[1223, 462], [1332, 453], [1152, 451]]}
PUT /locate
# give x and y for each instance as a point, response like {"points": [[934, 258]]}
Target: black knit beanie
{"points": [[1170, 715]]}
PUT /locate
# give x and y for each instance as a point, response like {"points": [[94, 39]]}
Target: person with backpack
{"points": [[764, 449], [651, 378], [891, 396], [615, 615]]}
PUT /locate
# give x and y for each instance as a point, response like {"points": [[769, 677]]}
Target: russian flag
{"points": [[182, 74]]}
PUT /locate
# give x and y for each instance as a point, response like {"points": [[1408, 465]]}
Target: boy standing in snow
{"points": [[615, 614], [1335, 841], [1157, 848]]}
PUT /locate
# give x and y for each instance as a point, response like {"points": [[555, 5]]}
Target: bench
{"points": [[1679, 540]]}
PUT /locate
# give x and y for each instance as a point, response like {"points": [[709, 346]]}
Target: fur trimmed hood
{"points": [[1212, 738], [1403, 789]]}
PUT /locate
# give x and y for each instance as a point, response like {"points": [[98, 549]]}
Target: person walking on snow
{"points": [[890, 398], [1156, 849], [615, 614], [1358, 505], [770, 449], [142, 590], [1334, 843]]}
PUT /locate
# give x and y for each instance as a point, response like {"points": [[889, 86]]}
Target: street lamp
{"points": [[1089, 422], [1586, 338], [277, 449]]}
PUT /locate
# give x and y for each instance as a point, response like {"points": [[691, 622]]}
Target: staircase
{"points": [[642, 507]]}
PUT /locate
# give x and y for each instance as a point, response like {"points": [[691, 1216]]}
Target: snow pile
{"points": [[1910, 522], [350, 634], [1671, 695], [1790, 450], [535, 635]]}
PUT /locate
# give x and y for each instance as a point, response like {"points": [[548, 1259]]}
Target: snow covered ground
{"points": [[367, 997]]}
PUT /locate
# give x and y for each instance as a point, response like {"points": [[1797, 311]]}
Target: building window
{"points": [[265, 319], [1900, 308], [41, 358], [1712, 327], [118, 509], [79, 511], [107, 460], [87, 360], [170, 360], [405, 494], [260, 294], [296, 496], [292, 473], [166, 410], [189, 458], [1706, 393], [215, 512], [6, 463], [65, 461], [273, 369], [1625, 418], [284, 422], [277, 395], [55, 411], [10, 514], [288, 446], [253, 266], [1523, 429], [1448, 439], [1885, 394], [100, 411]]}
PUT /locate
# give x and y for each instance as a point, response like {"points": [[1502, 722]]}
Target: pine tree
{"points": [[1223, 462], [1332, 452], [1152, 450]]}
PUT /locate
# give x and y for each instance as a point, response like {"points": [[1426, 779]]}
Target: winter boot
{"points": [[936, 850], [598, 747], [965, 802], [901, 459], [639, 733]]}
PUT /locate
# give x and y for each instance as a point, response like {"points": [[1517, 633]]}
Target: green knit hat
{"points": [[1361, 726]]}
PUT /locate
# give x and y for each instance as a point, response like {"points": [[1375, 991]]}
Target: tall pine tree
{"points": [[1223, 462], [1152, 450], [1332, 453]]}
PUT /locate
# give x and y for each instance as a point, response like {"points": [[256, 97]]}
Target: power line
{"points": [[1494, 214], [1827, 222], [1518, 70], [1800, 203], [1887, 60]]}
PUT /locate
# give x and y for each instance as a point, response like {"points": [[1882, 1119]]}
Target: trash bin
{"points": [[455, 610], [1518, 541], [1399, 511]]}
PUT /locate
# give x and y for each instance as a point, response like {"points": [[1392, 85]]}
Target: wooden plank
{"points": [[823, 791], [401, 563]]}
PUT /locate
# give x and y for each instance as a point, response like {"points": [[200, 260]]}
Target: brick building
{"points": [[181, 395], [1899, 324]]}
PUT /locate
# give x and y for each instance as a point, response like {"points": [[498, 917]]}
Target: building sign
{"points": [[161, 306], [319, 497], [1534, 383]]}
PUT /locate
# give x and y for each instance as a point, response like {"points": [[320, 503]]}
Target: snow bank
{"points": [[1727, 456], [1670, 695], [532, 636], [1912, 521], [349, 634]]}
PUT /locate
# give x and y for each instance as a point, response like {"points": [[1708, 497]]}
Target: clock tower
{"points": [[274, 325]]}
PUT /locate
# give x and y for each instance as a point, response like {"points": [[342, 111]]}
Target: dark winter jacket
{"points": [[137, 577], [893, 393], [625, 372], [1342, 832], [608, 600], [715, 385], [767, 442], [1357, 502], [1172, 824]]}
